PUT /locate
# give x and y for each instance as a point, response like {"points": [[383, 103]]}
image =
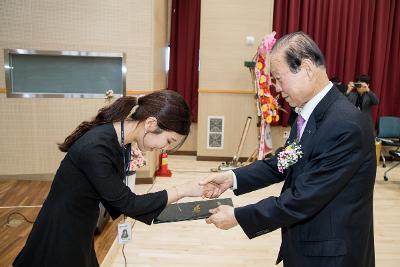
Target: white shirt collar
{"points": [[310, 105]]}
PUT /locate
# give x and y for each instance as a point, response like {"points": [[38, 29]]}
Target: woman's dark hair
{"points": [[168, 107]]}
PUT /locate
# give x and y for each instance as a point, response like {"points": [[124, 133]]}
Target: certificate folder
{"points": [[190, 210]]}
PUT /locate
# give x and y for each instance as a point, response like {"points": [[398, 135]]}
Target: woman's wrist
{"points": [[177, 191], [174, 194]]}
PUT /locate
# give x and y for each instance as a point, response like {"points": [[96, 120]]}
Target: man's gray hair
{"points": [[296, 47]]}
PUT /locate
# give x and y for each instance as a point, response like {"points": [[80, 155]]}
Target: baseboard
{"points": [[211, 158], [185, 153], [144, 180], [36, 176]]}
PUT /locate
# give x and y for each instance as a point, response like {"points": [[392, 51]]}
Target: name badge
{"points": [[124, 233]]}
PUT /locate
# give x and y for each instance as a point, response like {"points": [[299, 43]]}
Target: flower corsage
{"points": [[289, 156], [137, 159]]}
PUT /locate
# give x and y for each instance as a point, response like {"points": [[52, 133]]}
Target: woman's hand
{"points": [[189, 189]]}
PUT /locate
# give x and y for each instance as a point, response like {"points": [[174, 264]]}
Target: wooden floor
{"points": [[33, 193], [194, 243]]}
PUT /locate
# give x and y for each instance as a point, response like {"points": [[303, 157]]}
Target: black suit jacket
{"points": [[92, 171], [325, 209], [369, 100]]}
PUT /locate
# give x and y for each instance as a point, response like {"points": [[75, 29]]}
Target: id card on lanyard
{"points": [[125, 228]]}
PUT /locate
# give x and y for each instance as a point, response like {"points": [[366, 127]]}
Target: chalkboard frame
{"points": [[11, 92]]}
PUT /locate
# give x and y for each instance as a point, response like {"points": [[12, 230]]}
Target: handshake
{"points": [[210, 187]]}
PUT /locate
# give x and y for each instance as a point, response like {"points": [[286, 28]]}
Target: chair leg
{"points": [[383, 160], [392, 167]]}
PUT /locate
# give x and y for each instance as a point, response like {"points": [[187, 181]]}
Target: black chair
{"points": [[395, 155], [389, 134]]}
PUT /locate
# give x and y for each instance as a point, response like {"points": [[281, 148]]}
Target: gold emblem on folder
{"points": [[196, 209]]}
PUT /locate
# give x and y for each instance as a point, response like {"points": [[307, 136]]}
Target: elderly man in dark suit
{"points": [[325, 209]]}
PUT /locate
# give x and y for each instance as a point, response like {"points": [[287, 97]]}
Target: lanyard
{"points": [[126, 164]]}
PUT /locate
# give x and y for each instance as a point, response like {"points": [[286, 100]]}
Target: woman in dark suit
{"points": [[93, 171]]}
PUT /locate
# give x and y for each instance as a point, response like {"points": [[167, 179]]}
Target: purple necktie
{"points": [[300, 122]]}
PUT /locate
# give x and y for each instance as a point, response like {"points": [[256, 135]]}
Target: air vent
{"points": [[215, 132]]}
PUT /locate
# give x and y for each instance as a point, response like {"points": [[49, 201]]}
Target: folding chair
{"points": [[389, 134]]}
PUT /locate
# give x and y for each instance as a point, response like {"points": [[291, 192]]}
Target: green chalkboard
{"points": [[65, 75]]}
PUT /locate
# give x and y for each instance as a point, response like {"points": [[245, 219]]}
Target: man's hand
{"points": [[193, 188], [220, 181], [223, 217], [364, 88], [350, 87]]}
